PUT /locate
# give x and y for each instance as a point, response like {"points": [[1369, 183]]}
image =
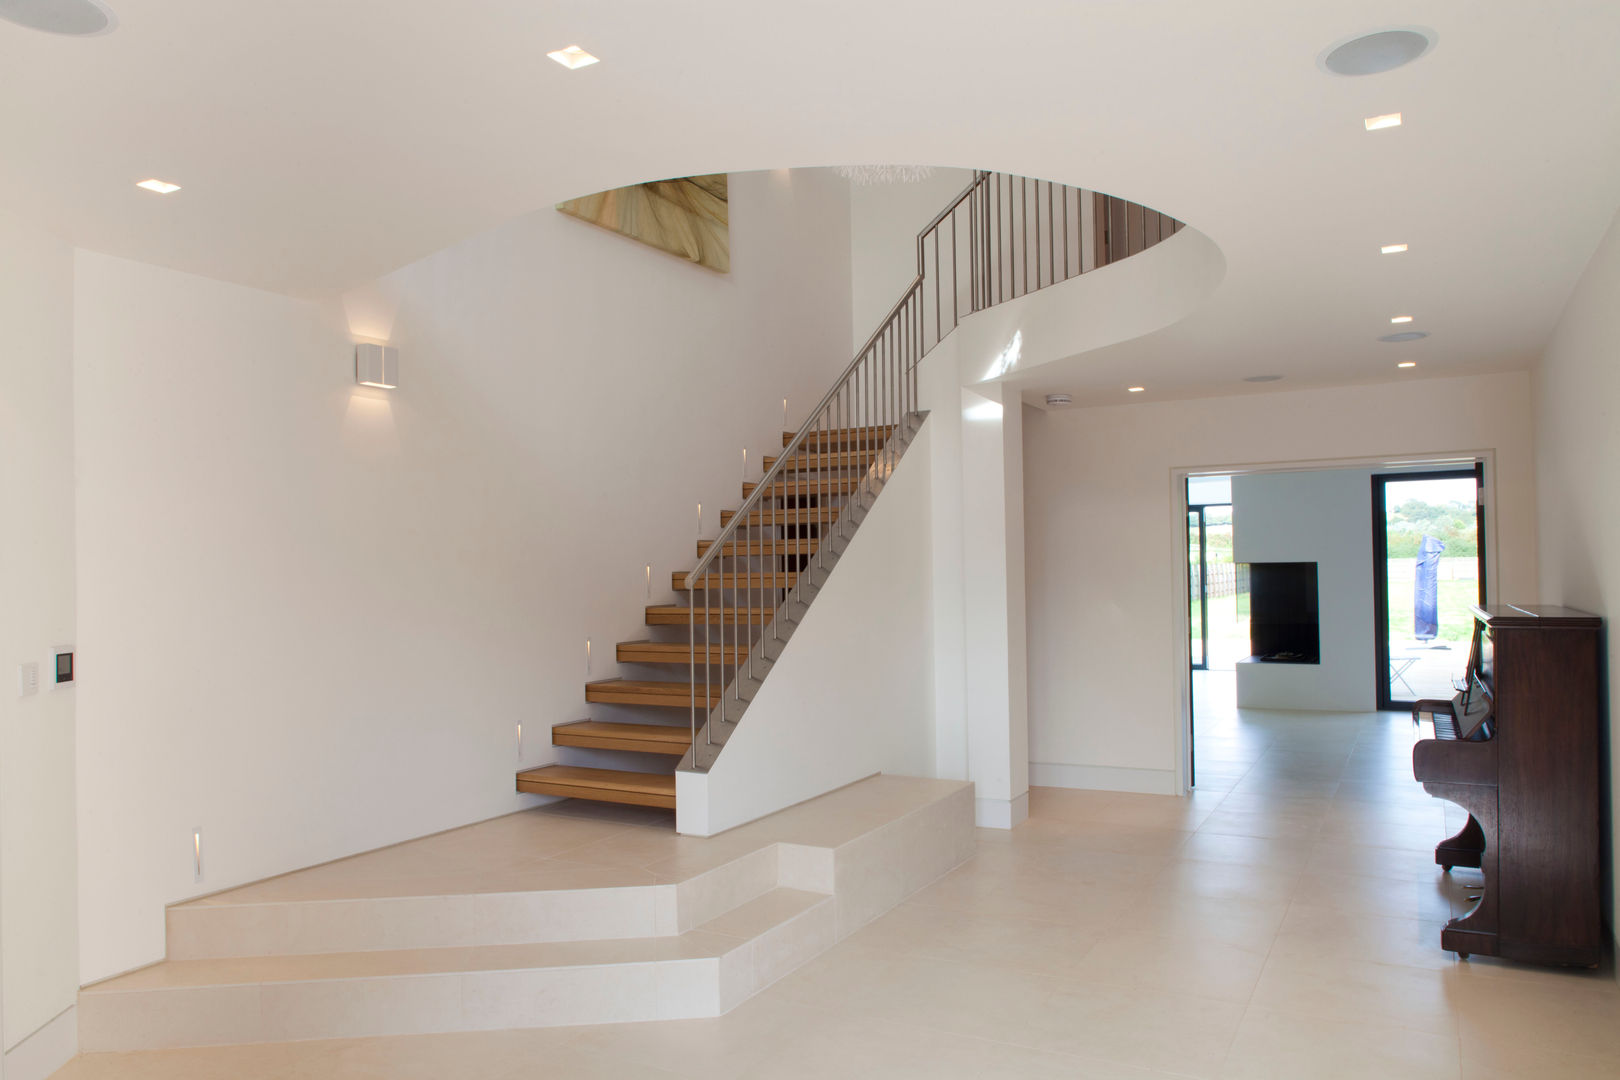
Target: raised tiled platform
{"points": [[570, 914]]}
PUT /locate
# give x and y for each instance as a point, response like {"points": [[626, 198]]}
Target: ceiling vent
{"points": [[1372, 54], [78, 18], [1405, 335]]}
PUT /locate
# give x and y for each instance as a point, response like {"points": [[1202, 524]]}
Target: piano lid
{"points": [[1547, 616]]}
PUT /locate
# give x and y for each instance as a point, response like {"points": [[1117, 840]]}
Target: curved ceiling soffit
{"points": [[1125, 300], [1027, 339]]}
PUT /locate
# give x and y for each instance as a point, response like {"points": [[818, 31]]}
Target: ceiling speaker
{"points": [[1373, 54], [80, 18]]}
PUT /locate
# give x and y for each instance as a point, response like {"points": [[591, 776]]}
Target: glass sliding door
{"points": [[1428, 571], [1197, 609]]}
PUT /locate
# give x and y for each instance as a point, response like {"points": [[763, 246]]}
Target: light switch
{"points": [[28, 679]]}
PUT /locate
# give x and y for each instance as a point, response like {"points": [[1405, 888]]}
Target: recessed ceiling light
{"points": [[1059, 400], [1261, 378], [1407, 363], [1384, 50], [1392, 249], [162, 187], [76, 18], [1404, 335], [1378, 123], [1135, 389], [1400, 318], [572, 57]]}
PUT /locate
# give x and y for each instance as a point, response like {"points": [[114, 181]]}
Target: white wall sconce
{"points": [[376, 365]]}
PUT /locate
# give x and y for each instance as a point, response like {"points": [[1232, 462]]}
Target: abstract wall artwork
{"points": [[688, 216]]}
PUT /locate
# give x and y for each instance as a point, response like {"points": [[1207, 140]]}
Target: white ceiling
{"points": [[324, 142]]}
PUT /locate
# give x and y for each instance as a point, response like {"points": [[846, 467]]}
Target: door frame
{"points": [[1176, 561], [1386, 701], [1203, 587]]}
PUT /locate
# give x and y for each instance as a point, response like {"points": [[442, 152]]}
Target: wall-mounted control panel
{"points": [[63, 656]]}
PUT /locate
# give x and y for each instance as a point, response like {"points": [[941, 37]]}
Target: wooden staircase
{"points": [[805, 503]]}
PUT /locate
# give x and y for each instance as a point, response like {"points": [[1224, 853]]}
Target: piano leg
{"points": [[1475, 932], [1464, 849]]}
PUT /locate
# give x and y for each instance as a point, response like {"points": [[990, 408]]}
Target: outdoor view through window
{"points": [[1431, 570]]}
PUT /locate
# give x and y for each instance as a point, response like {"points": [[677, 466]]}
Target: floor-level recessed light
{"points": [[1392, 249], [1407, 363], [1135, 389], [1378, 123], [1400, 318], [162, 187], [1261, 378], [576, 57]]}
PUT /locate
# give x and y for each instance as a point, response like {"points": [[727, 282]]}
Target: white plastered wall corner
{"points": [[38, 903]]}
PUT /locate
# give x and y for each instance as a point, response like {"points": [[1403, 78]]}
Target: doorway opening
{"points": [[1428, 572], [1217, 600]]}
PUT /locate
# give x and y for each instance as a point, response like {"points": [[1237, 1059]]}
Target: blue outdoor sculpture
{"points": [[1426, 596]]}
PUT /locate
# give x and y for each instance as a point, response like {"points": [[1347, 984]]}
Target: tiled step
{"points": [[397, 941], [600, 785], [638, 738], [703, 972], [473, 886]]}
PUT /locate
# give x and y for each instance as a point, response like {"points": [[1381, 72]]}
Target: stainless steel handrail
{"points": [[876, 395]]}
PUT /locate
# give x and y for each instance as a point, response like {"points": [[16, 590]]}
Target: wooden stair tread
{"points": [[676, 652], [648, 692], [838, 485], [677, 615], [810, 461], [803, 545], [873, 434], [778, 580], [641, 738], [796, 515], [602, 785]]}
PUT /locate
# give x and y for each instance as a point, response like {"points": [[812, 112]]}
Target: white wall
{"points": [[38, 932], [884, 222], [315, 612], [977, 521], [1323, 518], [1577, 462], [851, 694], [1105, 541]]}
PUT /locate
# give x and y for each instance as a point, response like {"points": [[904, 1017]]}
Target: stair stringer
{"points": [[830, 666]]}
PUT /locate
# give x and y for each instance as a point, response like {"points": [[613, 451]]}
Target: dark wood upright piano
{"points": [[1518, 749]]}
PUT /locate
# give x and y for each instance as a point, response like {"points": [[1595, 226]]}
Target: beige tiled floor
{"points": [[1283, 922]]}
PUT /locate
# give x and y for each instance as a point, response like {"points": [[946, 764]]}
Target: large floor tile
{"points": [[1276, 1046], [1341, 988], [1180, 964]]}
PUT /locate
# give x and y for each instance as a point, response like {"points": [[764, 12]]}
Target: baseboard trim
{"points": [[1102, 778], [46, 1050], [1000, 813]]}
